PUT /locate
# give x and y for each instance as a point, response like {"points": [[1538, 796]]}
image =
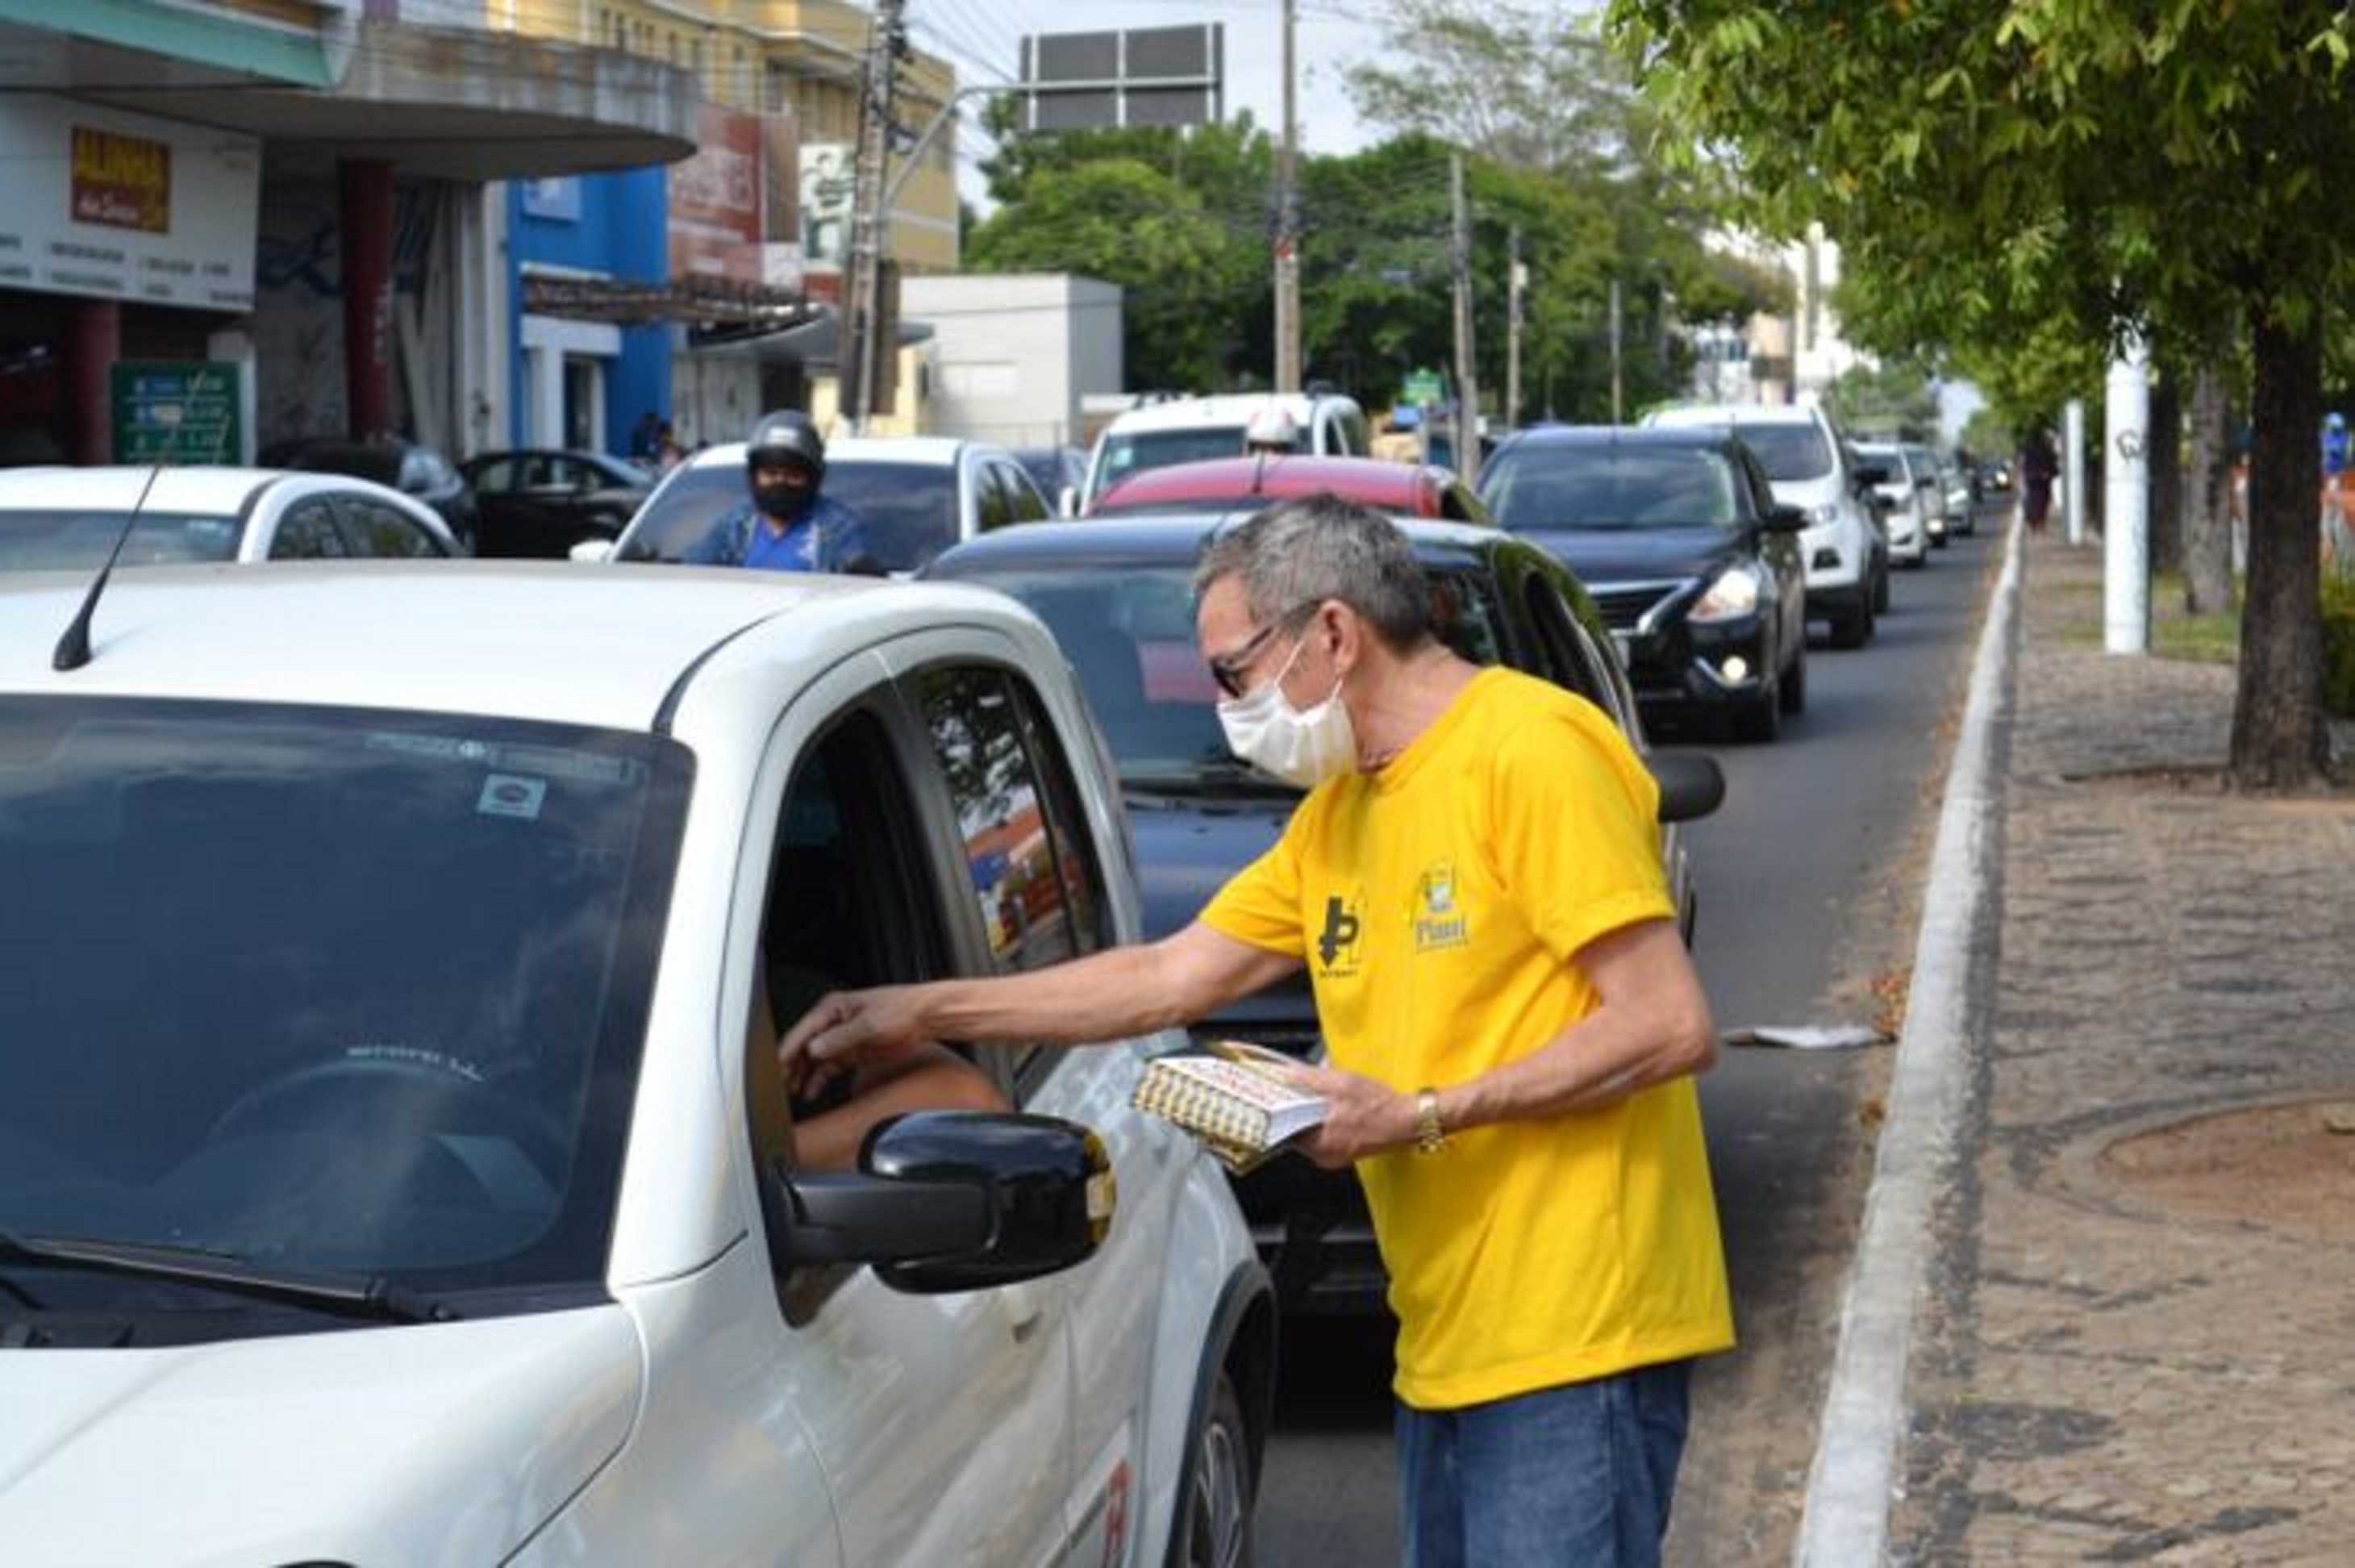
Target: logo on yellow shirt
{"points": [[1337, 944], [1438, 921]]}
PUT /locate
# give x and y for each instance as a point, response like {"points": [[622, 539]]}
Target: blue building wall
{"points": [[610, 224]]}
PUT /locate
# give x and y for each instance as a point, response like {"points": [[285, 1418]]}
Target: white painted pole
{"points": [[2072, 470], [2126, 505]]}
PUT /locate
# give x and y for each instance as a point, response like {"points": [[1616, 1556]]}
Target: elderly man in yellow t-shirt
{"points": [[1474, 886]]}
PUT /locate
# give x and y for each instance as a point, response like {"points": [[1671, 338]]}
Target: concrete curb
{"points": [[1852, 1482]]}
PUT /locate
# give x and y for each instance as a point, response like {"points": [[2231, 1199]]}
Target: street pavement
{"points": [[2109, 1306]]}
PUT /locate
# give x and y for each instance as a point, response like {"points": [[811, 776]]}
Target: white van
{"points": [[1188, 430]]}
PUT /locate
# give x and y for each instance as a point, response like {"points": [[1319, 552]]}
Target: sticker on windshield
{"points": [[512, 794]]}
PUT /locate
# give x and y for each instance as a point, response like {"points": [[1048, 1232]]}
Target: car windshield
{"points": [[1129, 633], [1571, 487], [1135, 452], [1788, 452], [908, 511], [354, 992], [78, 540]]}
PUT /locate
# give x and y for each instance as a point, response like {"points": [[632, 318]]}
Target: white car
{"points": [[914, 495], [394, 1164], [1806, 461], [1908, 488], [70, 518], [1192, 430]]}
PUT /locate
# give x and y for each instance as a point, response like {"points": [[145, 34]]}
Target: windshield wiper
{"points": [[352, 1295]]}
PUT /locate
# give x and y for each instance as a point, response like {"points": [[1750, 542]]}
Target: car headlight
{"points": [[1734, 592], [1824, 515]]}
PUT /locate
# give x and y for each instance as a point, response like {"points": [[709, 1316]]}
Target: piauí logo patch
{"points": [[1439, 921]]}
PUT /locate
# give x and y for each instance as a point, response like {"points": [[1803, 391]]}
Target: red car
{"points": [[1247, 484]]}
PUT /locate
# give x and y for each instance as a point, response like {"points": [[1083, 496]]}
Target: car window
{"points": [[1134, 451], [689, 502], [372, 527], [1466, 616], [1025, 851], [1565, 486], [996, 504], [498, 474], [308, 531], [908, 511], [392, 977], [1789, 451], [43, 540], [1023, 500]]}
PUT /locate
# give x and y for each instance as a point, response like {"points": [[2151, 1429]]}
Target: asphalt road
{"points": [[1809, 885]]}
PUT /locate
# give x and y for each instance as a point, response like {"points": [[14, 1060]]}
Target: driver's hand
{"points": [[844, 1029]]}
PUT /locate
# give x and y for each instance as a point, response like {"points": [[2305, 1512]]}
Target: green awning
{"points": [[249, 46]]}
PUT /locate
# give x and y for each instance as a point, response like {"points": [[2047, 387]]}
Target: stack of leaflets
{"points": [[1236, 1098]]}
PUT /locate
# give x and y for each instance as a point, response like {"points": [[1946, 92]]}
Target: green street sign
{"points": [[1423, 387], [176, 411]]}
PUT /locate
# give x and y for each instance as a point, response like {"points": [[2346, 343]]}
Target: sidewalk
{"points": [[2135, 1341]]}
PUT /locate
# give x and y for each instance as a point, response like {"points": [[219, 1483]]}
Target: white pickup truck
{"points": [[394, 1166]]}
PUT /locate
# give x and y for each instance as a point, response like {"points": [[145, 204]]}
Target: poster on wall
{"points": [[828, 179], [715, 200], [100, 202]]}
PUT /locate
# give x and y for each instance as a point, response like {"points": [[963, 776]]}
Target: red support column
{"points": [[365, 191], [94, 344]]}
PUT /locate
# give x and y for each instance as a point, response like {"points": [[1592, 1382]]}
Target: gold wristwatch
{"points": [[1430, 1137]]}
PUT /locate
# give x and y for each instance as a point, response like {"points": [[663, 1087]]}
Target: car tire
{"points": [[1212, 1525], [1880, 594], [1853, 628], [1793, 688]]}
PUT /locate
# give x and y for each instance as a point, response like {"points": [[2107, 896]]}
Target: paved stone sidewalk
{"points": [[2139, 1342]]}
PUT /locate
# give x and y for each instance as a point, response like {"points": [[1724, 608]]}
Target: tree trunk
{"points": [[2278, 738], [2164, 447], [2208, 522]]}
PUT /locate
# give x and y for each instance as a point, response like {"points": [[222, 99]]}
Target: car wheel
{"points": [[1850, 628], [1212, 1525], [1880, 594], [1793, 686]]}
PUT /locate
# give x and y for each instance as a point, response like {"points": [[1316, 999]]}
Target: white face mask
{"points": [[1305, 749]]}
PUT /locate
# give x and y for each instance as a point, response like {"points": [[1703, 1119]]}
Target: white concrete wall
{"points": [[1014, 355]]}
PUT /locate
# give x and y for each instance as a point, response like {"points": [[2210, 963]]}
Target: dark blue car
{"points": [[1118, 596], [1694, 565]]}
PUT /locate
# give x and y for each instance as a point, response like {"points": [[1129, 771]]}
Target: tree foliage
{"points": [[2009, 172]]}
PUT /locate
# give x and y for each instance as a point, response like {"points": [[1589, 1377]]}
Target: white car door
{"points": [[940, 1422]]}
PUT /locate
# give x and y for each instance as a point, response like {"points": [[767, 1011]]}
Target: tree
{"points": [[2113, 167]]}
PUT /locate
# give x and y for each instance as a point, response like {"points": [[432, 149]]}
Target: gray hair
{"points": [[1300, 553]]}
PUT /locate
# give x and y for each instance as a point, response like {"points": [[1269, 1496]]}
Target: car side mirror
{"points": [[1067, 501], [592, 552], [1784, 520], [948, 1200], [1691, 783], [1871, 473]]}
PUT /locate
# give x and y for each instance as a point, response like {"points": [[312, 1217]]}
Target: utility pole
{"points": [[1468, 395], [1287, 223], [1516, 287], [1618, 379], [857, 351]]}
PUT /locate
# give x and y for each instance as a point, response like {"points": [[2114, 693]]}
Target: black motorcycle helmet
{"points": [[787, 436]]}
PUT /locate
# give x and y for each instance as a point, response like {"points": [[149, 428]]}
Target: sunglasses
{"points": [[1230, 670]]}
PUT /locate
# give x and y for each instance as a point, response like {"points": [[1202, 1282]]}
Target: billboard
{"points": [[828, 171], [716, 200], [1099, 81]]}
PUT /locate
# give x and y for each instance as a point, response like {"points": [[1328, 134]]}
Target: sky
{"points": [[983, 39]]}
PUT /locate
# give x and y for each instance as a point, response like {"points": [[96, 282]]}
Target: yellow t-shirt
{"points": [[1438, 904]]}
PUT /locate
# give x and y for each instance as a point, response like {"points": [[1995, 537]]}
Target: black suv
{"points": [[1676, 532]]}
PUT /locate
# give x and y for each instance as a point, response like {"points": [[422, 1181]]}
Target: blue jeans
{"points": [[1575, 1476]]}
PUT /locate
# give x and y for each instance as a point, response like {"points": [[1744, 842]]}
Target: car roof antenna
{"points": [[73, 648]]}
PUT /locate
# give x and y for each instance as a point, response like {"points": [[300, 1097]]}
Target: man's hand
{"points": [[843, 1029], [1365, 1118]]}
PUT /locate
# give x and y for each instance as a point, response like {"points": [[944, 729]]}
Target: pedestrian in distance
{"points": [[645, 438], [786, 523], [1474, 884], [2040, 465]]}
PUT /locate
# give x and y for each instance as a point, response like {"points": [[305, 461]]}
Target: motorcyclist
{"points": [[786, 523]]}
